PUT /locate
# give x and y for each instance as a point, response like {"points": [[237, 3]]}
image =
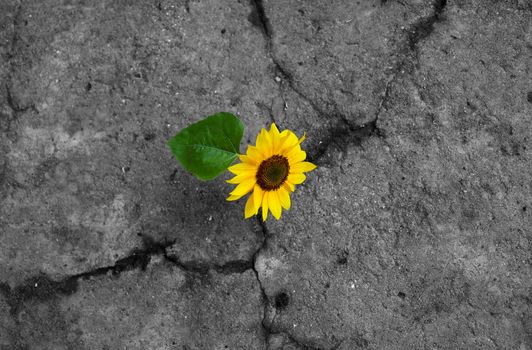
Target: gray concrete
{"points": [[413, 233]]}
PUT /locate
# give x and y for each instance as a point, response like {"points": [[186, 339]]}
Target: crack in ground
{"points": [[344, 132], [340, 136], [259, 18], [341, 132], [42, 287], [265, 300], [264, 25], [235, 266], [425, 26], [266, 327], [418, 32]]}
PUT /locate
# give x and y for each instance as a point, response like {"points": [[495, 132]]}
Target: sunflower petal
{"points": [[288, 141], [268, 152], [265, 207], [244, 187], [284, 198], [250, 208], [290, 187], [258, 194], [274, 131], [275, 205], [255, 153], [263, 142], [244, 158], [239, 168], [296, 179], [296, 155], [240, 178], [285, 133], [275, 136], [302, 138], [233, 198], [302, 167]]}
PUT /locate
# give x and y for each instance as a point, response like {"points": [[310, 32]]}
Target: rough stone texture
{"points": [[413, 233], [341, 54], [381, 267], [96, 95], [162, 307], [7, 326], [421, 238]]}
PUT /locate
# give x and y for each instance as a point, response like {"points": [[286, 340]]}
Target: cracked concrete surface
{"points": [[413, 233]]}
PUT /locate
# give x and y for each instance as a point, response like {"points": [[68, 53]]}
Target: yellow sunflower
{"points": [[271, 169]]}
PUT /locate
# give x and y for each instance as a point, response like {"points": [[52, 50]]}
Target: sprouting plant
{"points": [[270, 170]]}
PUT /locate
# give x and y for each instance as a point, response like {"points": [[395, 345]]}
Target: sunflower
{"points": [[271, 169]]}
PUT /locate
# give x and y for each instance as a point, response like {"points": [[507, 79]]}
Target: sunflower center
{"points": [[272, 172]]}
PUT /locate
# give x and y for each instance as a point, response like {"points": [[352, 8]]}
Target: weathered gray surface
{"points": [[159, 307], [96, 95], [413, 233]]}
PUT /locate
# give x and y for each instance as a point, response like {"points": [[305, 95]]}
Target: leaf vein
{"points": [[205, 146]]}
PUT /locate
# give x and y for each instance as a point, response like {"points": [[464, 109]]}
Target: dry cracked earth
{"points": [[415, 231]]}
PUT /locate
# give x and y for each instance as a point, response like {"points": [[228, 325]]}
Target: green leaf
{"points": [[208, 147]]}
